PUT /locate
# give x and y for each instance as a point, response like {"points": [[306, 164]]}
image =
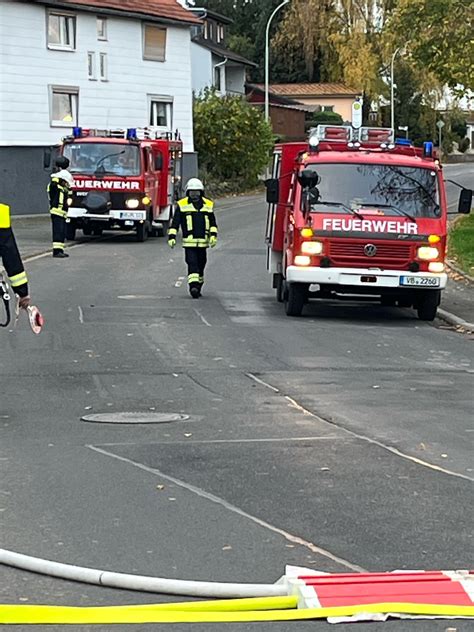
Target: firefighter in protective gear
{"points": [[195, 216], [11, 259], [59, 190]]}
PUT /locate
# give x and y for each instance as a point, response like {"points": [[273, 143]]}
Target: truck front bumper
{"points": [[114, 216], [366, 278]]}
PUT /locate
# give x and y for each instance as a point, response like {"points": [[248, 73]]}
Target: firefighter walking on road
{"points": [[195, 216], [59, 191], [11, 259]]}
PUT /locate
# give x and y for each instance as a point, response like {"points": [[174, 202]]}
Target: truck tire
{"points": [[427, 304], [97, 232], [142, 232], [295, 298], [87, 230], [280, 288], [71, 228]]}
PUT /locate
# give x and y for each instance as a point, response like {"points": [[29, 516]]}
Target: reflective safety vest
{"points": [[9, 254], [197, 225], [58, 192]]}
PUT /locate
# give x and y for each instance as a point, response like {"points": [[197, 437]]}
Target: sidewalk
{"points": [[33, 234]]}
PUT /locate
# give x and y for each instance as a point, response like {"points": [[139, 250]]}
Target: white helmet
{"points": [[64, 175], [194, 184]]}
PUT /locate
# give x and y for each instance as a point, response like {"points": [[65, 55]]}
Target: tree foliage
{"points": [[232, 138]]}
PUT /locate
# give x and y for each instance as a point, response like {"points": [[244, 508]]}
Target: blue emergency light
{"points": [[132, 133], [428, 149], [403, 142], [77, 132]]}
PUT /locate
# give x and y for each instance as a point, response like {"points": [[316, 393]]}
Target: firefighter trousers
{"points": [[196, 258], [59, 232]]}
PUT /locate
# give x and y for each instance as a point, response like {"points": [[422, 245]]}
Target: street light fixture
{"points": [[392, 92], [267, 59]]}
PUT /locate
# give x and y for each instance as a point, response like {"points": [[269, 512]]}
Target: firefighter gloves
{"points": [[212, 241], [172, 242]]}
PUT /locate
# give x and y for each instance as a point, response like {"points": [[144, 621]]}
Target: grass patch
{"points": [[461, 244]]}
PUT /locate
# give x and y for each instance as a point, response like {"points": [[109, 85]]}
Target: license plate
{"points": [[420, 281], [131, 215]]}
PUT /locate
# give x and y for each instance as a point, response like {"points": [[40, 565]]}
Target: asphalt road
{"points": [[350, 429]]}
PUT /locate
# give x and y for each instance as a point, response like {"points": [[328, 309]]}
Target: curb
{"points": [[452, 266], [454, 320]]}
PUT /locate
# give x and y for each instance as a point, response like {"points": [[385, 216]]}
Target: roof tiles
{"points": [[168, 9]]}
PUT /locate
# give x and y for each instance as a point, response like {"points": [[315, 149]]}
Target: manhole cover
{"points": [[135, 418]]}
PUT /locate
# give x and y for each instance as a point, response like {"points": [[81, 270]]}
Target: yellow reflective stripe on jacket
{"points": [[214, 230], [208, 205], [191, 242], [207, 223], [189, 223], [18, 279], [172, 232], [5, 216], [59, 212]]}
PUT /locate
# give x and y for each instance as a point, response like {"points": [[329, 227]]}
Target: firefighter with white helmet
{"points": [[195, 216], [59, 191]]}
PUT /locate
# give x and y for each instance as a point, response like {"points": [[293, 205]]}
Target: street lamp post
{"points": [[392, 91], [267, 59]]}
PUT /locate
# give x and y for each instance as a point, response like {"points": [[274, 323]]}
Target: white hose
{"points": [[140, 583]]}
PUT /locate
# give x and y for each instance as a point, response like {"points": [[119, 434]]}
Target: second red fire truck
{"points": [[125, 179], [356, 213]]}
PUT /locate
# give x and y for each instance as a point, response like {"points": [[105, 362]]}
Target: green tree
{"points": [[438, 34], [232, 138], [326, 118]]}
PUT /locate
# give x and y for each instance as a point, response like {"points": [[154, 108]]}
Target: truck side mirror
{"points": [[273, 190], [309, 179], [47, 159], [465, 201]]}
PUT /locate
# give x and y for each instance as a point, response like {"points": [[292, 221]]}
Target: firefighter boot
{"points": [[194, 290], [60, 254]]}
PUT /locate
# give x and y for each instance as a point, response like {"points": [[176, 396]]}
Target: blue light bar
{"points": [[404, 142], [132, 133], [428, 149], [77, 132]]}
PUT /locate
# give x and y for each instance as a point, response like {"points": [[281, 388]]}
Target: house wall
{"points": [[235, 79], [201, 68], [342, 106], [28, 68]]}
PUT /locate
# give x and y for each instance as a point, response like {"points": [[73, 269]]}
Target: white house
{"points": [[93, 63], [213, 63]]}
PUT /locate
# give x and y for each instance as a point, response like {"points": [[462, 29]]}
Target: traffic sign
{"points": [[440, 124]]}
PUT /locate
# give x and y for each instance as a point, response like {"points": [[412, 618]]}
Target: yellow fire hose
{"points": [[224, 611]]}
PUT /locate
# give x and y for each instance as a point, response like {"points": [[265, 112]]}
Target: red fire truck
{"points": [[124, 180], [356, 212]]}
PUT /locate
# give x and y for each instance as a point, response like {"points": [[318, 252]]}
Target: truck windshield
{"points": [[385, 189], [110, 158]]}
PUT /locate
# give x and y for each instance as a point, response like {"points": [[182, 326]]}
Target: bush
{"points": [[463, 144], [232, 139], [326, 118]]}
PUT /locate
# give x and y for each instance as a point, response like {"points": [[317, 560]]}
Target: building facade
{"points": [[90, 63]]}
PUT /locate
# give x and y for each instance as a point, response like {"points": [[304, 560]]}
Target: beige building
{"points": [[329, 97]]}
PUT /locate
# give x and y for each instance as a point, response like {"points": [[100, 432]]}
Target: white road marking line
{"points": [[223, 503], [395, 451], [81, 314], [259, 381], [204, 320], [211, 441], [179, 282]]}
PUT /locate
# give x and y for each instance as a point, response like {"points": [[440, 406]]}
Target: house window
{"points": [[103, 66], [161, 112], [102, 29], [91, 67], [327, 108], [154, 42], [206, 30], [218, 71], [61, 31], [220, 34], [64, 106]]}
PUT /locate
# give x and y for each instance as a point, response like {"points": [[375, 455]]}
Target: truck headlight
{"points": [[436, 266], [302, 260], [132, 203], [428, 253], [69, 201], [312, 247]]}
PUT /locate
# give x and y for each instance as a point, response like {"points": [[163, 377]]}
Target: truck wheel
{"points": [[71, 228], [97, 232], [87, 230], [280, 288], [427, 304], [142, 232], [295, 298]]}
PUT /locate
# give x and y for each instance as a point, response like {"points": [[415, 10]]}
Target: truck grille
{"points": [[352, 255]]}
